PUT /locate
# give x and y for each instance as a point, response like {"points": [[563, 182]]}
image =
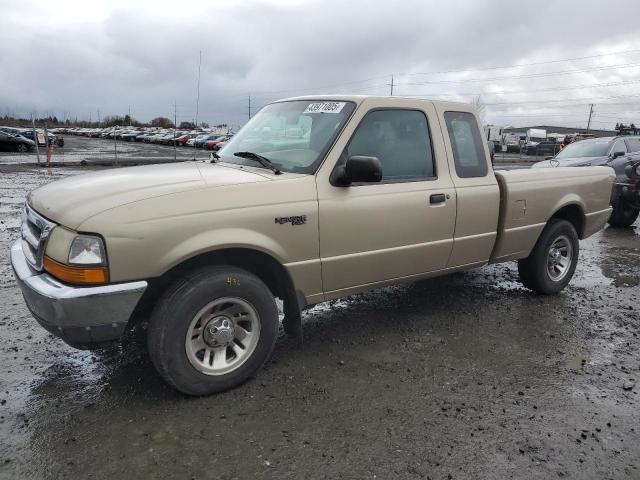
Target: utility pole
{"points": [[98, 117], [89, 118], [129, 115], [590, 115], [197, 101], [392, 85], [175, 124], [35, 137], [249, 106], [115, 144]]}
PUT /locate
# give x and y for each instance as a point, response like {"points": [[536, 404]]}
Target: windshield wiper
{"points": [[264, 161]]}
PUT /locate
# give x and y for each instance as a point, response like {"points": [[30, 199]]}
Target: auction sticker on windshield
{"points": [[325, 107]]}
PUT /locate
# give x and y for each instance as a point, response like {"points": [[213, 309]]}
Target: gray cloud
{"points": [[67, 59]]}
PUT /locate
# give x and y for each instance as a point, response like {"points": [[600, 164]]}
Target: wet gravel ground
{"points": [[464, 376]]}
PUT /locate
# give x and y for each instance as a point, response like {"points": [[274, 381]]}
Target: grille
{"points": [[34, 230]]}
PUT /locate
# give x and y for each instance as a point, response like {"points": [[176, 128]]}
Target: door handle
{"points": [[437, 198]]}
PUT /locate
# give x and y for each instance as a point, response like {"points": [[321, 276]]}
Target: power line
{"points": [[455, 71], [530, 75], [545, 62], [565, 100], [509, 92]]}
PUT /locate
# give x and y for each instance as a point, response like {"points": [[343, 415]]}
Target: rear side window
{"points": [[466, 142], [400, 139], [633, 144]]}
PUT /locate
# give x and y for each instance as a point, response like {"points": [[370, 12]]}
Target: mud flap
{"points": [[292, 321]]}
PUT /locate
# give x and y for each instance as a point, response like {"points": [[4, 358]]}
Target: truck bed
{"points": [[529, 198]]}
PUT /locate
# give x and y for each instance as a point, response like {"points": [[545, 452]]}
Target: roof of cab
{"points": [[358, 99]]}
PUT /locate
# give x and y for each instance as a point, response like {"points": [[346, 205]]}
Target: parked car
{"points": [[131, 135], [492, 149], [625, 197], [15, 143], [52, 139], [182, 139], [617, 153], [214, 143], [512, 142], [593, 151], [202, 249], [542, 149], [199, 143]]}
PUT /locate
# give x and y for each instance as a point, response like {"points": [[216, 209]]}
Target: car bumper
{"points": [[81, 316]]}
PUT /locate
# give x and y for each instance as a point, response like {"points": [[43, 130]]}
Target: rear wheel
{"points": [[213, 330], [623, 214], [552, 262]]}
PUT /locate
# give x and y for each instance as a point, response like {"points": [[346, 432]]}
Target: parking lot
{"points": [[465, 376], [100, 151]]}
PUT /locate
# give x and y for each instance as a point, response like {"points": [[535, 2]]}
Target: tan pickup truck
{"points": [[314, 199]]}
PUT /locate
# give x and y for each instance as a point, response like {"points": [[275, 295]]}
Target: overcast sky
{"points": [[73, 58]]}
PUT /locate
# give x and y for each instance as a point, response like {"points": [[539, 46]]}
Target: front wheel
{"points": [[553, 260], [213, 330], [623, 214], [22, 148]]}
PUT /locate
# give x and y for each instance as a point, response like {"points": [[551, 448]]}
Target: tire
{"points": [[552, 262], [623, 214], [194, 316], [22, 148]]}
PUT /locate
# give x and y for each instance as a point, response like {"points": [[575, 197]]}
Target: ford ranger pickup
{"points": [[314, 199]]}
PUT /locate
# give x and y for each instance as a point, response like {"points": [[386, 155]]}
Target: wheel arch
{"points": [[257, 262], [574, 214]]}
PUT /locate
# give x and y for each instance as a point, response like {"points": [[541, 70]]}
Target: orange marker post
{"points": [[50, 153]]}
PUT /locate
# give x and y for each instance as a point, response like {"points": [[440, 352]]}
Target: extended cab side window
{"points": [[466, 142], [400, 139]]}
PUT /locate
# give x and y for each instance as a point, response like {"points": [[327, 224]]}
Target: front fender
{"points": [[220, 239]]}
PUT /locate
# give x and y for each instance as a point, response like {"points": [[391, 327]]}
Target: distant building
{"points": [[564, 130]]}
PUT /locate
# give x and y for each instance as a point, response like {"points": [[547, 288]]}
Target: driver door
{"points": [[371, 233]]}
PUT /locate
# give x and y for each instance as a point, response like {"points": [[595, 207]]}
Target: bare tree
{"points": [[481, 108]]}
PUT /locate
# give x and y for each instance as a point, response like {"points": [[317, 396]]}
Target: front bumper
{"points": [[81, 316]]}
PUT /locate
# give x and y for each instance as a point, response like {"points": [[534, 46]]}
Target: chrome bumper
{"points": [[79, 315]]}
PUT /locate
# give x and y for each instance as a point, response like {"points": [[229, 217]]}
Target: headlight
{"points": [[87, 250], [77, 259]]}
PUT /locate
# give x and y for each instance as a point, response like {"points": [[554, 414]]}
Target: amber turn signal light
{"points": [[76, 275]]}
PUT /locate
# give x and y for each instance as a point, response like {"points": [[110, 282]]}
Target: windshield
{"points": [[293, 135], [584, 149]]}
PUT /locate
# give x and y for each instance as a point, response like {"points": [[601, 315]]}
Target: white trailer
{"points": [[535, 136]]}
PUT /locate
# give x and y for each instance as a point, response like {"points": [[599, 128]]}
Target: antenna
{"points": [[392, 85]]}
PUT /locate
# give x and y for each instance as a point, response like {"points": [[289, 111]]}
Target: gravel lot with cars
{"points": [[99, 151], [465, 376]]}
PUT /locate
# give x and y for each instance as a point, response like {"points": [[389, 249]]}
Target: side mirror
{"points": [[548, 158], [359, 168], [617, 154]]}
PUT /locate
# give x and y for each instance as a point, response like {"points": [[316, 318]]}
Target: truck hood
{"points": [[72, 200], [573, 162]]}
